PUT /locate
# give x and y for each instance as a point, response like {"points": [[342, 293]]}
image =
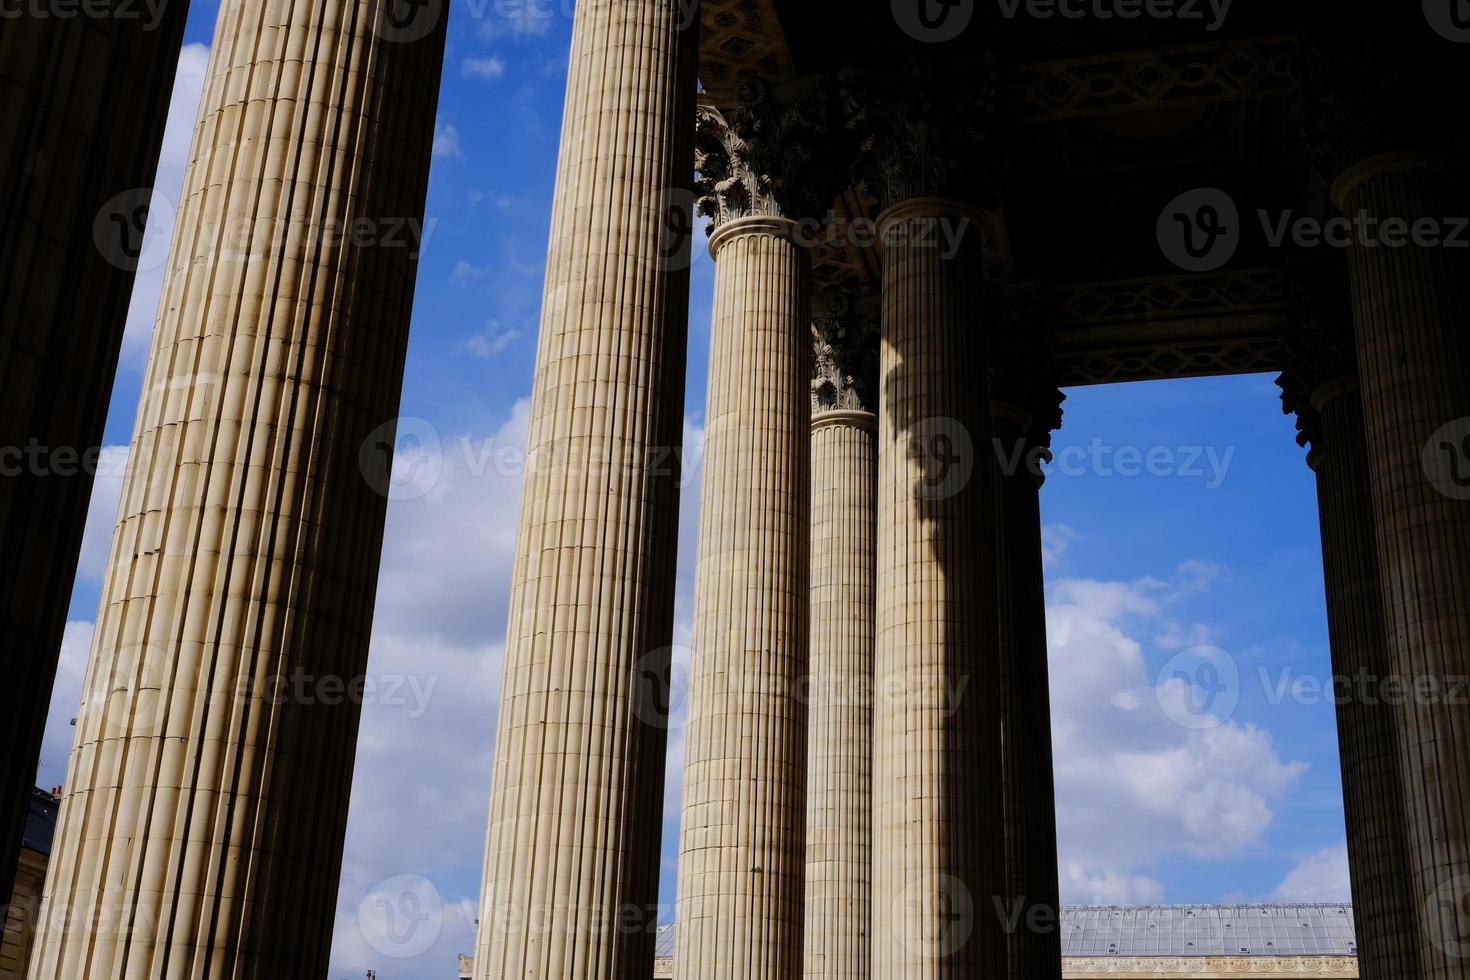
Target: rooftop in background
{"points": [[41, 822], [1190, 930], [1209, 930]]}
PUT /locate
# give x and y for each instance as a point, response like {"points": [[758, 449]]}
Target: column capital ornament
{"points": [[845, 366], [1023, 373], [764, 158], [929, 131], [1319, 357]]}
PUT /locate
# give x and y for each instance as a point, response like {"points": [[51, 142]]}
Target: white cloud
{"points": [[1320, 877], [487, 68], [1055, 540], [1132, 786], [493, 341], [168, 188], [518, 19], [446, 141], [66, 699], [466, 272]]}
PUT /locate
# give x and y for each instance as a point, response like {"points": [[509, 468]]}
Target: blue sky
{"points": [[1210, 562]]}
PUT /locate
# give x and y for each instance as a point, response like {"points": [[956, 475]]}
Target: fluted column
{"points": [[1024, 411], [839, 860], [937, 814], [83, 101], [1412, 311], [741, 856], [206, 801], [572, 855], [1384, 912]]}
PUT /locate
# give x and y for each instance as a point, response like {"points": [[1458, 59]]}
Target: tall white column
{"points": [[741, 857], [202, 827], [572, 853]]}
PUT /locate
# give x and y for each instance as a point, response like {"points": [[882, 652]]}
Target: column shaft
{"points": [[839, 835], [572, 855], [1411, 312], [202, 827], [1383, 907], [741, 857], [83, 102], [1031, 907], [937, 814]]}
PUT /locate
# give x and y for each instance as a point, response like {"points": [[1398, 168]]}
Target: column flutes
{"points": [[839, 859], [83, 101], [741, 855], [1330, 419], [1411, 309], [202, 827], [572, 854], [1024, 410], [937, 815]]}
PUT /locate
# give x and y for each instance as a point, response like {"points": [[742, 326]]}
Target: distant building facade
{"points": [[1201, 942], [30, 879]]}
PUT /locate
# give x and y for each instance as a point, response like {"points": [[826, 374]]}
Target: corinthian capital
{"points": [[845, 368], [761, 157], [929, 131], [1317, 347], [1023, 372]]}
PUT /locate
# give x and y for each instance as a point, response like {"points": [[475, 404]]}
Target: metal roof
{"points": [[1209, 930], [1191, 930]]}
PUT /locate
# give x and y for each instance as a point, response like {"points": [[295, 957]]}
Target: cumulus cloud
{"points": [[1132, 785], [1055, 540], [1320, 877]]}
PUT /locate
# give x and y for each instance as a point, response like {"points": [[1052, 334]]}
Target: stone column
{"points": [[937, 814], [83, 102], [839, 837], [572, 855], [1025, 409], [202, 826], [741, 855], [1411, 309], [1322, 389]]}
